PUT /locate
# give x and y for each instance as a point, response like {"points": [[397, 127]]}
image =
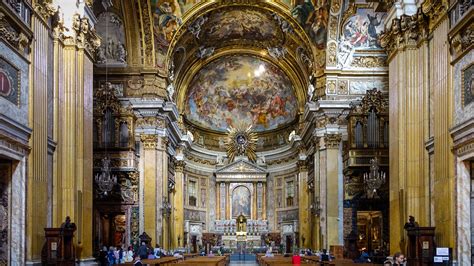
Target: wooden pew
{"points": [[205, 261], [164, 261]]}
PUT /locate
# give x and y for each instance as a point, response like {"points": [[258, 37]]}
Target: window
{"points": [[192, 193], [290, 193]]}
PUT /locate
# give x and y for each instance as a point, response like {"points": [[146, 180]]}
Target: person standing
{"points": [[143, 251]]}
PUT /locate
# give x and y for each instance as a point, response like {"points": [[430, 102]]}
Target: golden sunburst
{"points": [[241, 140]]}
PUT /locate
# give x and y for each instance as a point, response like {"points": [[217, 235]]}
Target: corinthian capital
{"points": [[150, 142], [405, 31], [332, 140]]}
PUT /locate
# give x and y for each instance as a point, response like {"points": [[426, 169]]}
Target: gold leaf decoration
{"points": [[241, 140]]}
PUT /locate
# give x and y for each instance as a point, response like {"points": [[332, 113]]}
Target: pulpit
{"points": [[421, 246], [59, 246]]}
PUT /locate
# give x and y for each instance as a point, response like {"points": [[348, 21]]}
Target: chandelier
{"points": [[104, 180], [374, 179]]}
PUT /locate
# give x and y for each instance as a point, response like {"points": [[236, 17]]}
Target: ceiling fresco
{"points": [[240, 89], [313, 17], [239, 23]]}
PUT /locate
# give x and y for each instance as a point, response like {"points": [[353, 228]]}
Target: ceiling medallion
{"points": [[241, 141]]}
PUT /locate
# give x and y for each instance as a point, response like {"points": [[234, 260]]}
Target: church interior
{"points": [[237, 127]]}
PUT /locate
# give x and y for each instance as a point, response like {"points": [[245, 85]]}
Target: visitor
{"points": [[210, 254], [364, 256], [138, 261], [325, 255], [111, 256], [129, 254], [121, 255], [399, 259], [103, 256], [157, 251], [143, 251]]}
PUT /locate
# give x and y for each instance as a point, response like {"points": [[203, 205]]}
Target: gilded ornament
{"points": [[105, 97], [331, 87], [369, 61], [240, 141], [147, 24], [342, 88], [7, 32], [332, 50], [332, 141], [44, 9], [335, 6], [135, 84], [150, 142]]}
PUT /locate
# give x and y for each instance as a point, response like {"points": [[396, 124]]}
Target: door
{"points": [[289, 243], [194, 243]]}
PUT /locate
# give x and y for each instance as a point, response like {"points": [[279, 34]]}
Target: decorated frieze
{"points": [[194, 215], [286, 216], [16, 36]]}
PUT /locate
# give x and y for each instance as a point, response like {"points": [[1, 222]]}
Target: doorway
{"points": [[289, 243], [369, 230], [194, 244]]}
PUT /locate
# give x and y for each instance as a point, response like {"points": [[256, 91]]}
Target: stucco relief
{"points": [[112, 50], [464, 111]]}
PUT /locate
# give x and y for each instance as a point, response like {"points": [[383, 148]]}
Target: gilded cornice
{"points": [[151, 122], [408, 31], [436, 10], [461, 36], [13, 34], [86, 36], [150, 142], [369, 61], [44, 10], [150, 85]]}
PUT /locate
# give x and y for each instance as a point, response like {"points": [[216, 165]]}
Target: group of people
{"points": [[113, 255]]}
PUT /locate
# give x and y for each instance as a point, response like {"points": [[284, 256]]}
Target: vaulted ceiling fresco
{"points": [[240, 89]]}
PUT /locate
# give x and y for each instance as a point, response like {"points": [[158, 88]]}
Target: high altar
{"points": [[241, 207]]}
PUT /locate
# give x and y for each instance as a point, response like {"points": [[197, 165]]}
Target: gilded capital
{"points": [[404, 32], [436, 10], [150, 142], [44, 9], [332, 140], [302, 166], [179, 166]]}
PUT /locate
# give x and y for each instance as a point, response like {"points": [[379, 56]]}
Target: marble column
{"points": [[41, 70], [151, 157], [178, 205], [420, 112], [316, 224], [333, 184], [303, 206], [72, 82]]}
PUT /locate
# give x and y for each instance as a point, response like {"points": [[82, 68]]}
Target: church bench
{"points": [[205, 261], [164, 261]]}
